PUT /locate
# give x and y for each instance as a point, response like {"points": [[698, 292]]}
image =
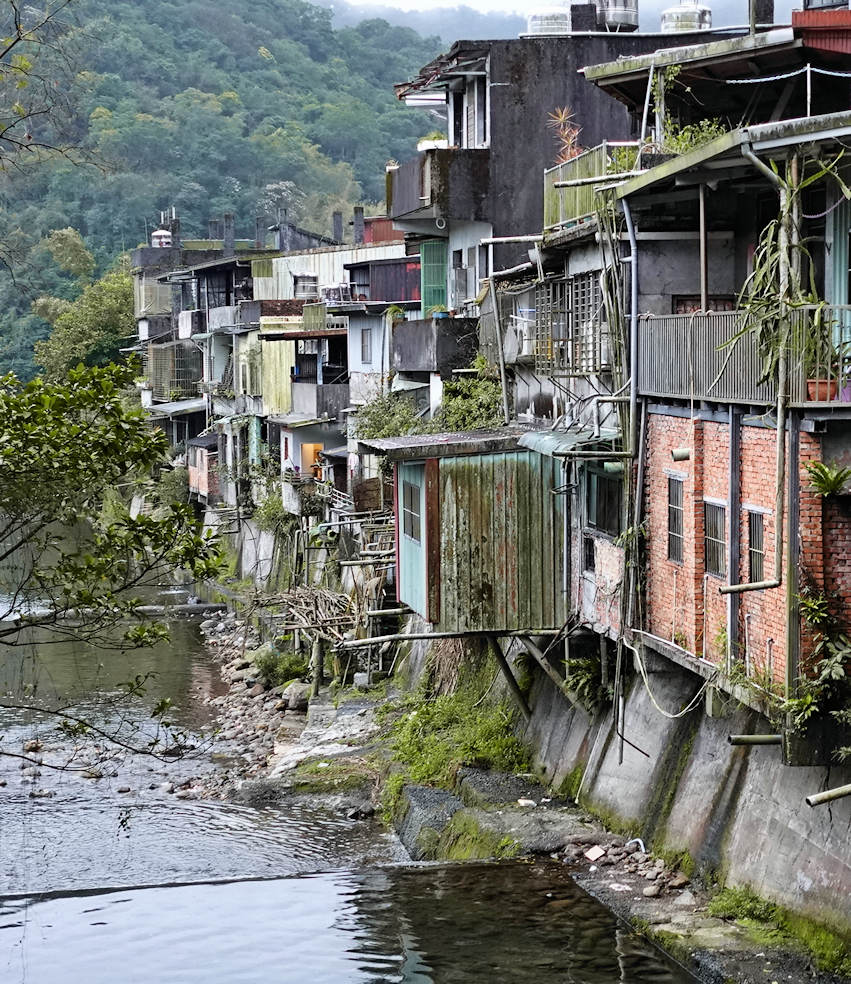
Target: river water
{"points": [[113, 880]]}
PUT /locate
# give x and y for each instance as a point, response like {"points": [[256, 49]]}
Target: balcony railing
{"points": [[564, 206], [695, 356]]}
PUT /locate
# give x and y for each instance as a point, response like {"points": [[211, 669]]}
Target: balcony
{"points": [[191, 323], [451, 183], [434, 344], [569, 206], [692, 356], [320, 400]]}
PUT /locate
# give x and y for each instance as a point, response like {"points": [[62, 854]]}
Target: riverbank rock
{"points": [[297, 695]]}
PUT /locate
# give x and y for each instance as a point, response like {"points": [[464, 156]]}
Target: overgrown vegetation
{"points": [[469, 403], [278, 668], [775, 925], [270, 516], [439, 732]]}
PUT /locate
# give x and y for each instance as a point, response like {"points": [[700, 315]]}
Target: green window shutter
{"points": [[433, 273]]}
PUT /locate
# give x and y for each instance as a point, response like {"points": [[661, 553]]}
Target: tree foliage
{"points": [[67, 565], [90, 330], [207, 107]]}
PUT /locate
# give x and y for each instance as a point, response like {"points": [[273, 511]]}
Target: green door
{"points": [[433, 254]]}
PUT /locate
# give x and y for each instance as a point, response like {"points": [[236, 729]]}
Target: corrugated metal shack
{"points": [[480, 533]]}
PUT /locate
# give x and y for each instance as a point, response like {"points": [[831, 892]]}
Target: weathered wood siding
{"points": [[501, 542], [277, 360]]}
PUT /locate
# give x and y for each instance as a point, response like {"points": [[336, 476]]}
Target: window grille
{"points": [[570, 329], [411, 511], [715, 538], [675, 520], [756, 548]]}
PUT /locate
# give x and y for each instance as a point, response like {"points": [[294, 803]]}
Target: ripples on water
{"points": [[467, 924], [326, 906]]}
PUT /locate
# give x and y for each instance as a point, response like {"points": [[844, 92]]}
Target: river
{"points": [[113, 880]]}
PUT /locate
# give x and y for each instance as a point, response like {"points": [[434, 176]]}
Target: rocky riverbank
{"points": [[275, 745]]}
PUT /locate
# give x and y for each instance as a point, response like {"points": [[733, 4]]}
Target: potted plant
{"points": [[823, 356], [438, 311]]}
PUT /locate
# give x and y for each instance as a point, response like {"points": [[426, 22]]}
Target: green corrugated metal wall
{"points": [[501, 543]]}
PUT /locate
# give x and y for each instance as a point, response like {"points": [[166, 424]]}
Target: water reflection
{"points": [[428, 925]]}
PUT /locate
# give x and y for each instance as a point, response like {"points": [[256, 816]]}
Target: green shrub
{"points": [[277, 668], [173, 486], [440, 734], [742, 903]]}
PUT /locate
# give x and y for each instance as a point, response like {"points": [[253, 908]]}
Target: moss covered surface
{"points": [[768, 924], [334, 776], [464, 839]]}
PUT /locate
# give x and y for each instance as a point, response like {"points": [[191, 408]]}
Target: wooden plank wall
{"points": [[501, 542]]}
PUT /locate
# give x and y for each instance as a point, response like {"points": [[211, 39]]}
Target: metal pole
{"points": [[498, 330], [516, 692], [403, 636], [541, 660], [704, 267], [828, 795], [755, 739]]}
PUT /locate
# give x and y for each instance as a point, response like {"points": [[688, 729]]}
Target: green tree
{"points": [[68, 566], [90, 330]]}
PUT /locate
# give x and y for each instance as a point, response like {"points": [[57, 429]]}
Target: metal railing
{"points": [[567, 205], [708, 356]]}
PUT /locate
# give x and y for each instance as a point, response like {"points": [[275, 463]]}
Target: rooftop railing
{"points": [[566, 205]]}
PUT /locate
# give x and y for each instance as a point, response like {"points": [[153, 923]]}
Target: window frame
{"points": [[366, 346], [613, 495], [411, 511], [714, 546], [676, 537], [756, 546]]}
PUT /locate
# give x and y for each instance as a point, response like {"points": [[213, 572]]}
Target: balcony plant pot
{"points": [[822, 390]]}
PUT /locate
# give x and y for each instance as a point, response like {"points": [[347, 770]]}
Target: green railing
{"points": [[565, 206]]}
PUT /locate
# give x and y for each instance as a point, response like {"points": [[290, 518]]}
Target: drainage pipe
{"points": [[498, 329], [828, 795], [404, 636], [780, 486], [755, 739], [633, 326]]}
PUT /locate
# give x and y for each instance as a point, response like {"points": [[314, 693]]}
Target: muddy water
{"points": [[98, 885]]}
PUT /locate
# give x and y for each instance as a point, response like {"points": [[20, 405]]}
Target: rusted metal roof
{"points": [[417, 447]]}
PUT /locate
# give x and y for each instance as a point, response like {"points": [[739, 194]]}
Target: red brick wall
{"points": [[680, 600]]}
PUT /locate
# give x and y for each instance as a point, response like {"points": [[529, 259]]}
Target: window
{"points": [[588, 560], [675, 520], [715, 538], [411, 510], [603, 496], [366, 346], [756, 548]]}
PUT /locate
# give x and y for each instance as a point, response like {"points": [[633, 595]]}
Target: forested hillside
{"points": [[208, 107]]}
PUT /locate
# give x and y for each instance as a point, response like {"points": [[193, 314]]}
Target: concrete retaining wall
{"points": [[737, 811]]}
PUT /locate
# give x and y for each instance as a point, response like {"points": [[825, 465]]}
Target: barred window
{"points": [[411, 511], [586, 304], [756, 548], [588, 559], [675, 520], [715, 538]]}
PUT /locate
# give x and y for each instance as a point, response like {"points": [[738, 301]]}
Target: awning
{"points": [[297, 334], [204, 441], [551, 443], [340, 452], [399, 385], [177, 409], [291, 420]]}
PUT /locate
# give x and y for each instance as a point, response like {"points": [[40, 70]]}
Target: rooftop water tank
{"points": [[161, 238], [617, 15], [549, 20], [688, 15]]}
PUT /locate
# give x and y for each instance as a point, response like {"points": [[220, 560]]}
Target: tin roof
{"points": [[416, 447]]}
